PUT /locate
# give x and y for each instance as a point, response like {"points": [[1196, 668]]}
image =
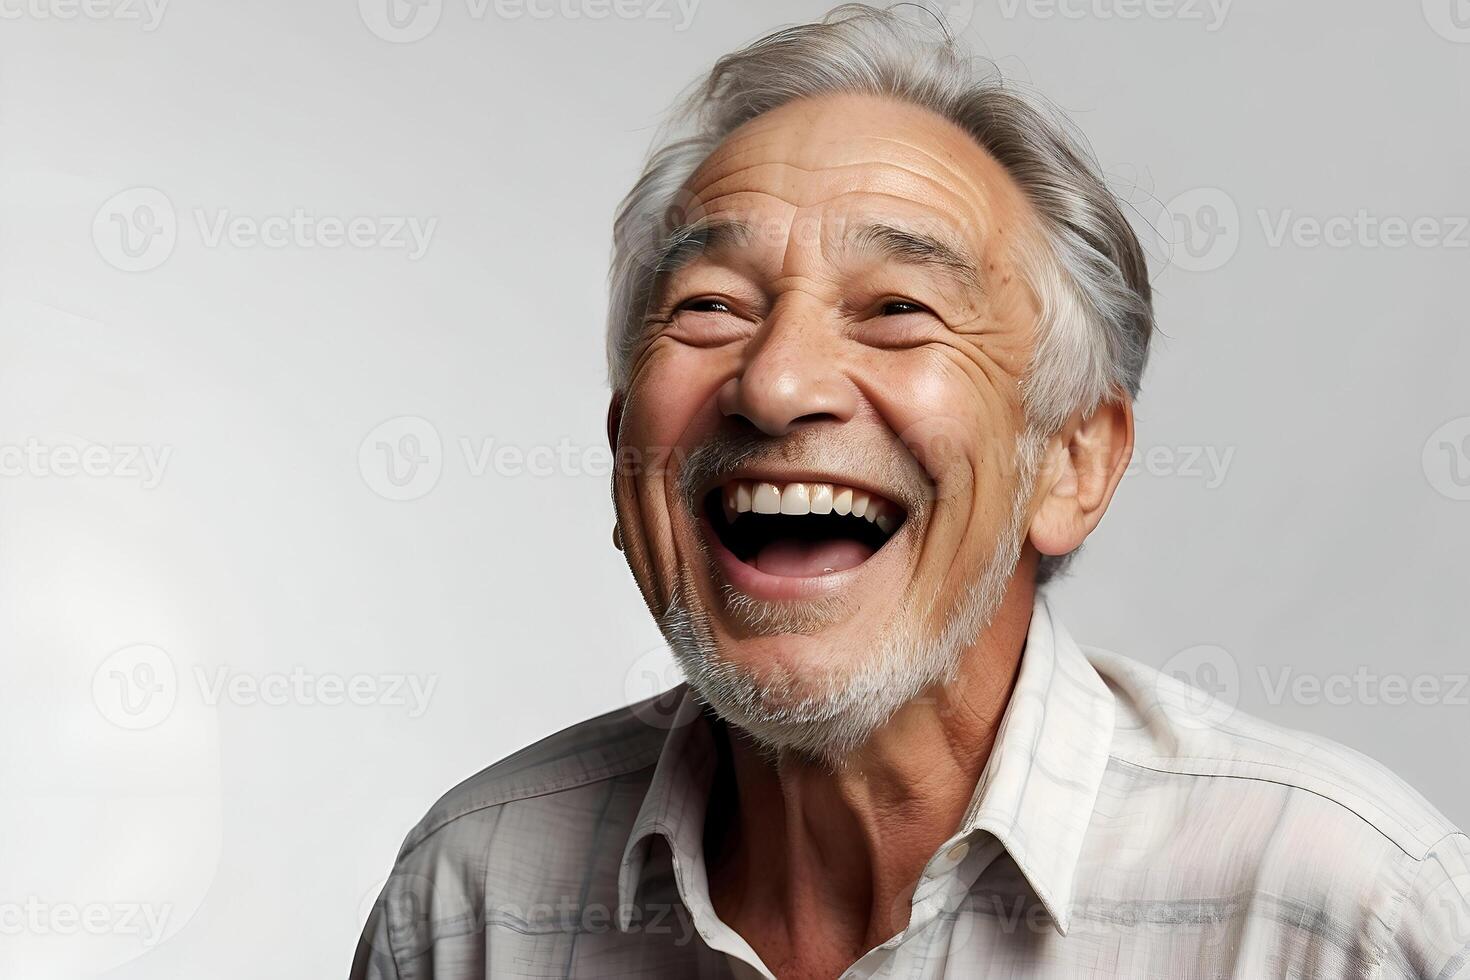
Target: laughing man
{"points": [[876, 328]]}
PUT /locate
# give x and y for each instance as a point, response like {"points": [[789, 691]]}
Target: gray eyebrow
{"points": [[917, 248], [688, 242]]}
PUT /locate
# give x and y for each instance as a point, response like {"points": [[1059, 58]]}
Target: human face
{"points": [[845, 329]]}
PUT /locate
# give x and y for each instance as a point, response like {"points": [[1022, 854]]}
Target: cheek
{"points": [[668, 409], [668, 394], [661, 410], [957, 412]]}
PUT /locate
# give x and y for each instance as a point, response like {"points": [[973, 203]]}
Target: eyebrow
{"points": [[917, 248], [689, 242]]}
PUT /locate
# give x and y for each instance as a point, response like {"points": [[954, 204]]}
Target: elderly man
{"points": [[876, 329]]}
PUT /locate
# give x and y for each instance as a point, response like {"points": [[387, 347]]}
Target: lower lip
{"points": [[763, 585]]}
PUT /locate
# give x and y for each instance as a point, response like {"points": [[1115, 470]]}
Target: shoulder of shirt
{"points": [[608, 746], [1166, 725]]}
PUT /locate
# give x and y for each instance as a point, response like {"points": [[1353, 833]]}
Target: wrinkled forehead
{"points": [[818, 168]]}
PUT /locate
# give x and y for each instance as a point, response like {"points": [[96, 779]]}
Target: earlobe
{"points": [[1084, 462], [1054, 525]]}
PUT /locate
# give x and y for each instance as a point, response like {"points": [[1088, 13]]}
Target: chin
{"points": [[816, 696]]}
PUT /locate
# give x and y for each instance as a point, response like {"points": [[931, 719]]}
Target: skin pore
{"points": [[855, 311]]}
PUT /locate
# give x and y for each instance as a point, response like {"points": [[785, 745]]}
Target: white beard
{"points": [[825, 715]]}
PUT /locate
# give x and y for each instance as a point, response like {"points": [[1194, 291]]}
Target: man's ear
{"points": [[1084, 462], [614, 419]]}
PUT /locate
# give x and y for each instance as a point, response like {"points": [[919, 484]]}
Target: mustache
{"points": [[886, 466]]}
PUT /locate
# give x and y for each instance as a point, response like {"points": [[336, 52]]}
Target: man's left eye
{"points": [[898, 307]]}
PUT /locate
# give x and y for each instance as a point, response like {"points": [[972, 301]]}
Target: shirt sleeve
{"points": [[374, 958], [1433, 935]]}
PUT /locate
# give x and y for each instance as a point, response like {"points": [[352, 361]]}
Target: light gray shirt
{"points": [[1125, 825]]}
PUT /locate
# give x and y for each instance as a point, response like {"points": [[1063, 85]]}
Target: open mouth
{"points": [[800, 530]]}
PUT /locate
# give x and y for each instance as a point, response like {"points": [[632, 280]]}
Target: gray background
{"points": [[205, 688]]}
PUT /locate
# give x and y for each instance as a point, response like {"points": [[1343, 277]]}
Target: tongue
{"points": [[795, 558]]}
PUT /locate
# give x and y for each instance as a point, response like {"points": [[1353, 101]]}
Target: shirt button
{"points": [[957, 853]]}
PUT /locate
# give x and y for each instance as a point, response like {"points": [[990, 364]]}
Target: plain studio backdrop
{"points": [[304, 514]]}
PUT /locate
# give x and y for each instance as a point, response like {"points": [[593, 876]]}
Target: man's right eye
{"points": [[705, 305]]}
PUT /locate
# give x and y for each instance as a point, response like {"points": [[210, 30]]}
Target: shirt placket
{"points": [[920, 950]]}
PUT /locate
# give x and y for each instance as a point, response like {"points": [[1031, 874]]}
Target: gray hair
{"points": [[1089, 274]]}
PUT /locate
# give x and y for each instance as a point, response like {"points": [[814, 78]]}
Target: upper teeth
{"points": [[751, 496]]}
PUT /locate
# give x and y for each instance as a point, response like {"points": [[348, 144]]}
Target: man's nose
{"points": [[790, 377]]}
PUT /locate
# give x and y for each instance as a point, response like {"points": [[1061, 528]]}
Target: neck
{"points": [[809, 851]]}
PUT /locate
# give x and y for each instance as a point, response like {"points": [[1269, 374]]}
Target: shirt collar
{"points": [[674, 807], [1038, 789], [1035, 795]]}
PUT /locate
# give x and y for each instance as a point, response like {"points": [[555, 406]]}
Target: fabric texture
{"points": [[1125, 825]]}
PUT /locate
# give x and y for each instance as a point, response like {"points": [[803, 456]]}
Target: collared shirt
{"points": [[1125, 825]]}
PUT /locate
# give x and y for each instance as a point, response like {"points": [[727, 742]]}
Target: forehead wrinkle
{"points": [[943, 158], [930, 174], [849, 180], [730, 152], [947, 166], [944, 148]]}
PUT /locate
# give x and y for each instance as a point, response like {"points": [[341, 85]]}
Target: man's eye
{"points": [[898, 307], [705, 305]]}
